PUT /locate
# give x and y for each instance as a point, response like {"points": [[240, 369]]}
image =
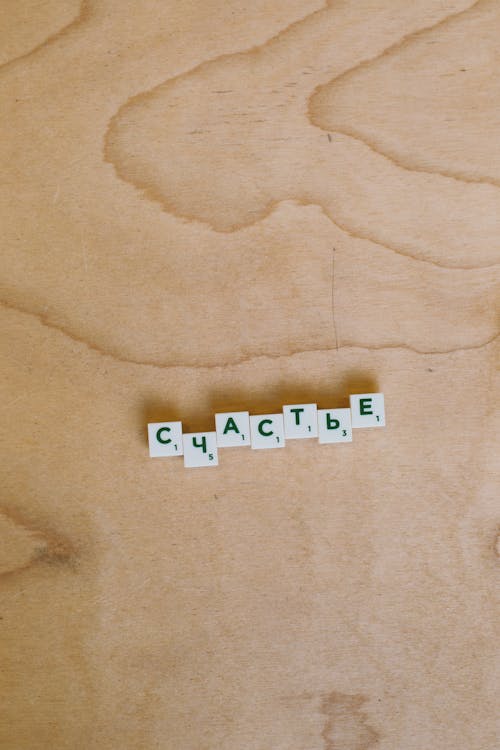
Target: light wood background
{"points": [[209, 204]]}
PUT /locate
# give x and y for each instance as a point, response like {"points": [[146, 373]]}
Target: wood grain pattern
{"points": [[220, 205]]}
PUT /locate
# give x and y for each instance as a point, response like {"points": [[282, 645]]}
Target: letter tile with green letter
{"points": [[233, 429], [165, 439], [301, 421], [200, 449], [334, 426], [267, 431], [367, 410]]}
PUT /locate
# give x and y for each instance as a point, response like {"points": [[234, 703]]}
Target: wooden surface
{"points": [[210, 205]]}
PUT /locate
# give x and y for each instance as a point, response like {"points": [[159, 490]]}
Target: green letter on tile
{"points": [[365, 405], [230, 425], [203, 444], [266, 434], [158, 435], [297, 414], [332, 424]]}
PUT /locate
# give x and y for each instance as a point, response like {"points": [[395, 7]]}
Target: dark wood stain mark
{"points": [[32, 545], [346, 724]]}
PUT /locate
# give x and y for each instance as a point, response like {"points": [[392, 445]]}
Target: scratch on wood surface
{"points": [[333, 299], [496, 545], [84, 254]]}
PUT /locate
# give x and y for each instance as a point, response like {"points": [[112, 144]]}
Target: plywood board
{"points": [[210, 206]]}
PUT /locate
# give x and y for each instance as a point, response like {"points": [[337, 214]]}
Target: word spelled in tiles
{"points": [[260, 431]]}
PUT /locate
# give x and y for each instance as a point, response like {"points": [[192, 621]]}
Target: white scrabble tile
{"points": [[301, 421], [267, 431], [233, 429], [200, 449], [367, 410], [334, 426], [165, 439]]}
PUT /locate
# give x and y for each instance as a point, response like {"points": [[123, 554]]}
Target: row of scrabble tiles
{"points": [[236, 429]]}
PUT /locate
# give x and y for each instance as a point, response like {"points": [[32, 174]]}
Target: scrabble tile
{"points": [[267, 431], [334, 426], [165, 439], [200, 449], [367, 410], [301, 421], [233, 429]]}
